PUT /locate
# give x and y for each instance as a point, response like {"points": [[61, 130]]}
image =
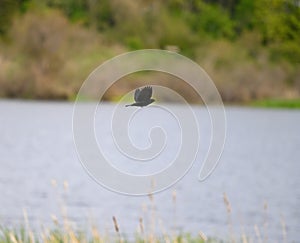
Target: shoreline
{"points": [[290, 104]]}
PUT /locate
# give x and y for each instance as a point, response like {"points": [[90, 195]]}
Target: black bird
{"points": [[142, 97]]}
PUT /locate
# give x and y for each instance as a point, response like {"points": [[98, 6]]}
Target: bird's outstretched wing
{"points": [[136, 94], [143, 95]]}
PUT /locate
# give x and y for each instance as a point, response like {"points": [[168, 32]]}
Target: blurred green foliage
{"points": [[249, 47], [275, 103], [8, 9], [184, 23]]}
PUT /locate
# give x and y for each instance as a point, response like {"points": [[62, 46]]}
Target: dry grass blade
{"points": [[141, 224], [283, 226], [116, 224], [202, 236], [230, 226], [12, 237], [227, 203], [257, 233], [244, 238]]}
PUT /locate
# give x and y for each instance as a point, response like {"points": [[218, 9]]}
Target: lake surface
{"points": [[258, 171]]}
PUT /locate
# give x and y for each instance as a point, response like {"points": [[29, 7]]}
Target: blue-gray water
{"points": [[260, 163]]}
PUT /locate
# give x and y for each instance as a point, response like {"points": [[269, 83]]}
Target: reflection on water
{"points": [[260, 164]]}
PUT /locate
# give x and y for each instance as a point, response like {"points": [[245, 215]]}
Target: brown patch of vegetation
{"points": [[47, 57]]}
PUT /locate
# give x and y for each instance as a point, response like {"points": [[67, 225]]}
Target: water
{"points": [[259, 166]]}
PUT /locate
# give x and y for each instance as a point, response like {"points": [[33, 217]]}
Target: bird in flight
{"points": [[142, 97]]}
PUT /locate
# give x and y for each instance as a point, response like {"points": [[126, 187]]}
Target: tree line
{"points": [[185, 23]]}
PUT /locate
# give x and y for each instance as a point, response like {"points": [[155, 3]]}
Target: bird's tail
{"points": [[127, 105]]}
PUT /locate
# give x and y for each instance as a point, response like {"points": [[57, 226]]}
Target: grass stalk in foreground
{"points": [[151, 229]]}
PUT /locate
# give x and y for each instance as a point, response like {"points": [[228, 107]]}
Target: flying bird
{"points": [[142, 97]]}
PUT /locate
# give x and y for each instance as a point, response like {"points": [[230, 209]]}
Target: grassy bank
{"points": [[60, 236], [275, 103], [150, 227]]}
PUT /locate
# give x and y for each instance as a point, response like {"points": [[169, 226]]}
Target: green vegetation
{"points": [[292, 104], [70, 236], [249, 47], [151, 228], [65, 231]]}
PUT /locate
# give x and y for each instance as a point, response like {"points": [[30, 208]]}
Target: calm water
{"points": [[260, 164]]}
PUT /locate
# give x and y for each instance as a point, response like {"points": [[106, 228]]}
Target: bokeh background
{"points": [[250, 49]]}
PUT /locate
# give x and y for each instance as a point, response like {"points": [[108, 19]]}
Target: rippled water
{"points": [[260, 165]]}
